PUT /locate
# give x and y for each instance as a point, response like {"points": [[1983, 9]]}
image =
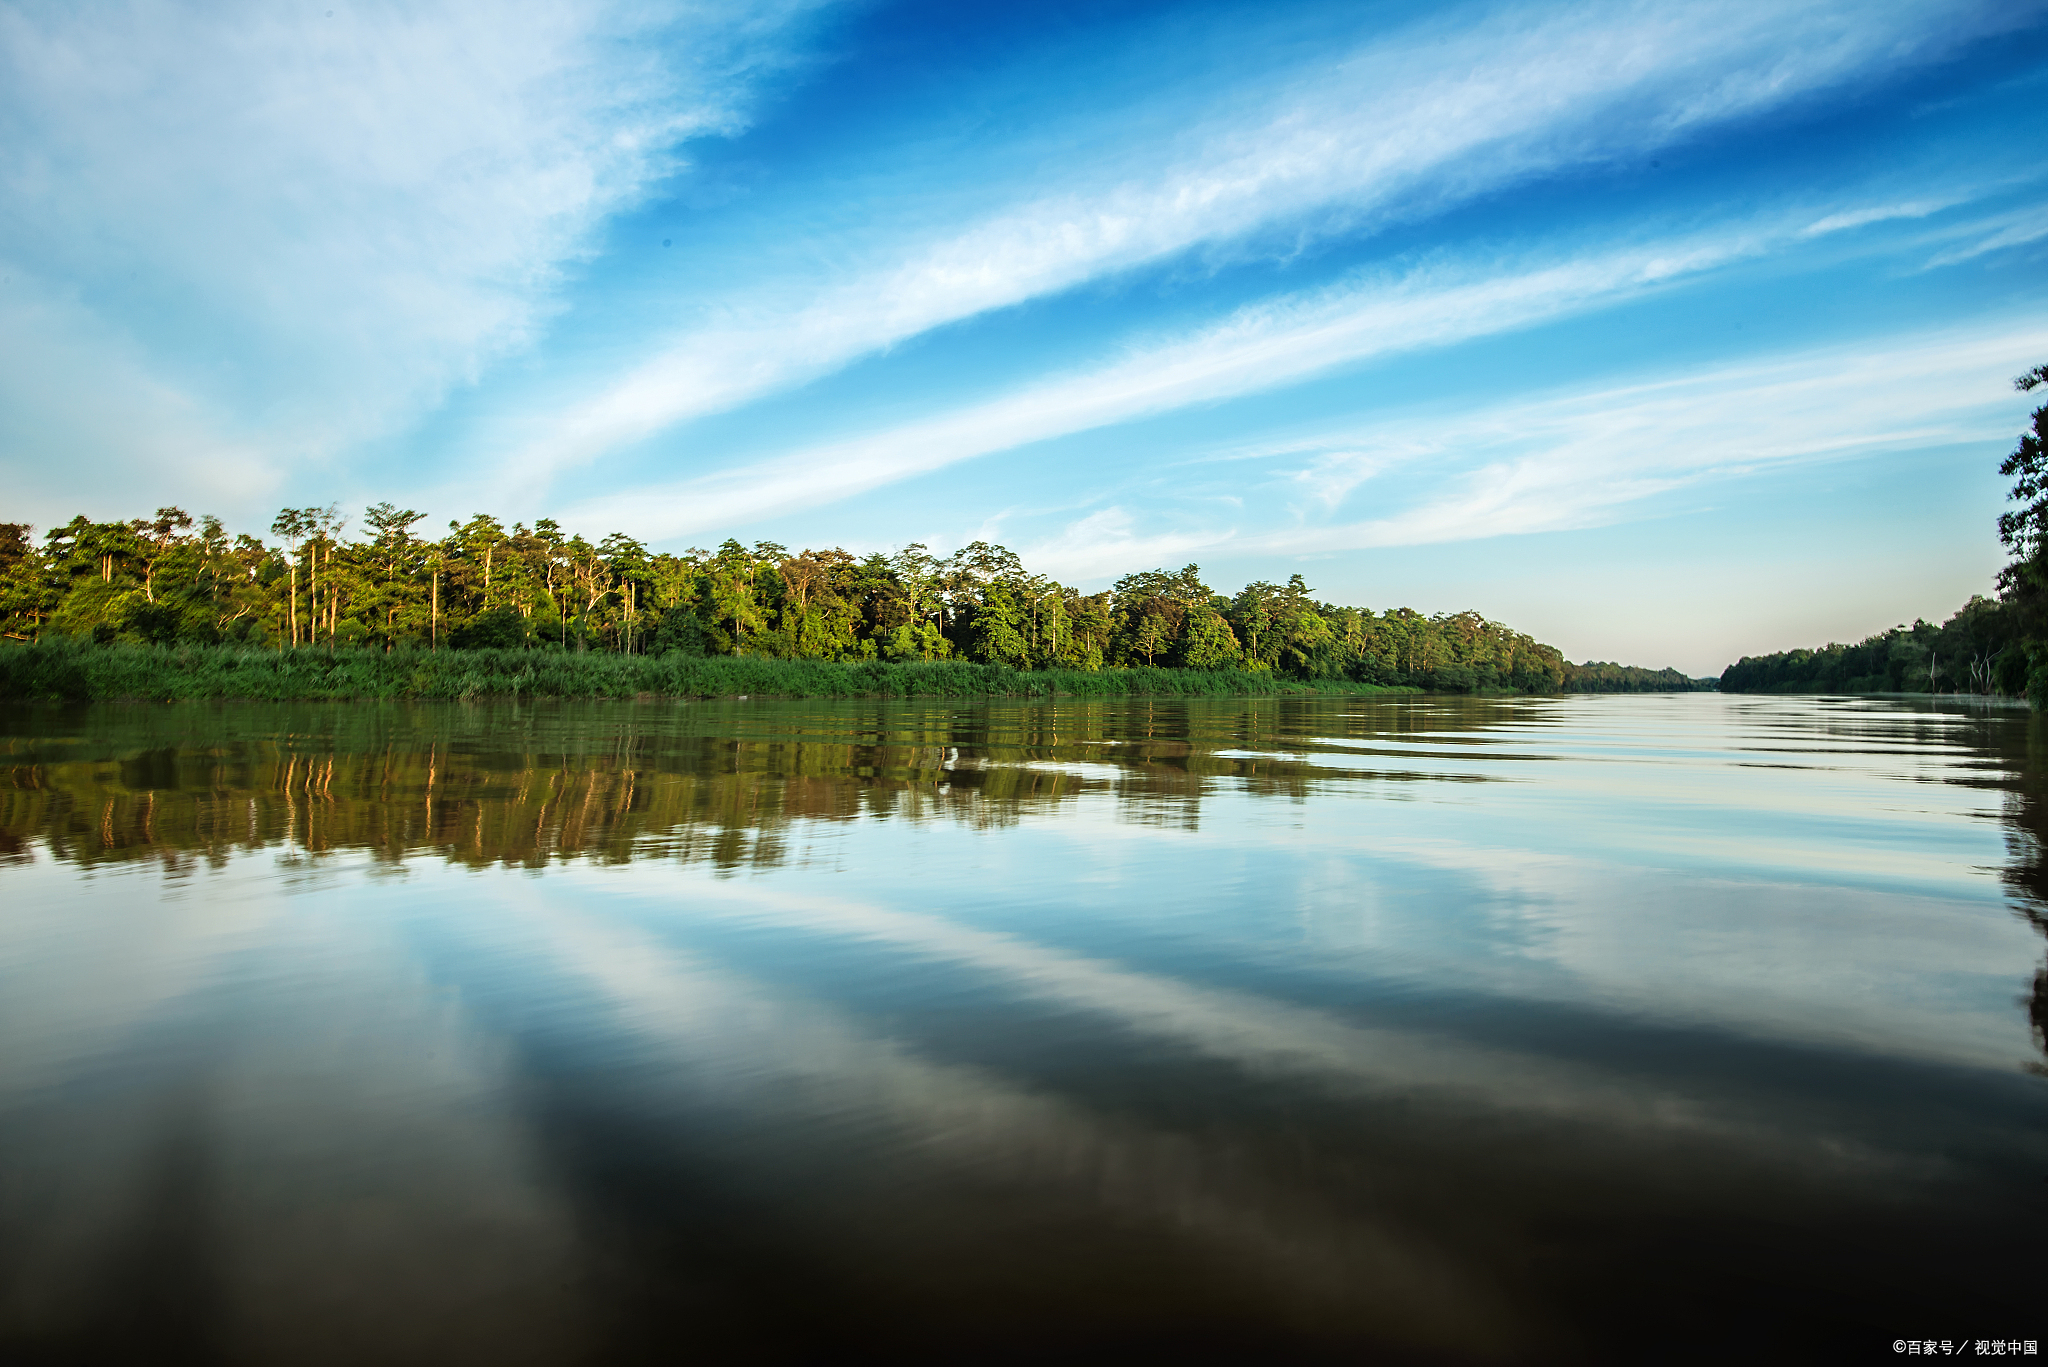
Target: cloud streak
{"points": [[1257, 349], [1408, 124], [1585, 458], [312, 223]]}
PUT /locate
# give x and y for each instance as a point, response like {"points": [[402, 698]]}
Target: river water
{"points": [[1436, 1029]]}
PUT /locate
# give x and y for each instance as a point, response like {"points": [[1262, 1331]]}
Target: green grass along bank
{"points": [[64, 670], [86, 673]]}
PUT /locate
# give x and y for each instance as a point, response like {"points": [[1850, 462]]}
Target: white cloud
{"points": [[1431, 117], [82, 416], [2015, 229], [1257, 349], [1882, 213], [1563, 461], [1083, 542], [318, 220]]}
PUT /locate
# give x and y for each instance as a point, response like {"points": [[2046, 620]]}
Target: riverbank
{"points": [[73, 672]]}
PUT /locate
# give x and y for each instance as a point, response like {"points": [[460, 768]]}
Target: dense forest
{"points": [[1989, 646], [173, 580], [1978, 650]]}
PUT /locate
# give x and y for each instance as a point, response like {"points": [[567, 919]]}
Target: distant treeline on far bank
{"points": [[172, 580], [1981, 649], [1987, 647]]}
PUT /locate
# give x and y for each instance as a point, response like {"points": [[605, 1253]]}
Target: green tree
{"points": [[292, 524], [487, 584], [819, 617], [2024, 530], [26, 595], [156, 539]]}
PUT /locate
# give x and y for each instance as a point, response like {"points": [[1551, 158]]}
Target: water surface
{"points": [[1435, 1029]]}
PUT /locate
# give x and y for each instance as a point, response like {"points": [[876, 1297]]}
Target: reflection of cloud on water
{"points": [[800, 1068], [1902, 972], [243, 1130], [1649, 972], [1828, 902], [1264, 1037], [83, 964]]}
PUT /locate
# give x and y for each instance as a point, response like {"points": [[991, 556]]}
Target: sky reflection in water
{"points": [[1462, 1029]]}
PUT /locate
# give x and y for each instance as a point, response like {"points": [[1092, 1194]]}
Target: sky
{"points": [[1667, 333]]}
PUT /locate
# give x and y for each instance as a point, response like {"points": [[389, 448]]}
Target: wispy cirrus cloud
{"points": [[307, 224], [1407, 124], [77, 394], [1258, 348], [2019, 228], [1593, 456], [1847, 219]]}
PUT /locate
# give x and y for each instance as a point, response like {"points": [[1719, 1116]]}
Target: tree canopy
{"points": [[174, 578]]}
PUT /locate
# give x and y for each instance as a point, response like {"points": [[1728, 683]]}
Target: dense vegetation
{"points": [[63, 669], [1597, 676], [1978, 650], [1988, 646], [491, 609]]}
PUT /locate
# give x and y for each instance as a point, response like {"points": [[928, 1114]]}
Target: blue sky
{"points": [[1666, 332]]}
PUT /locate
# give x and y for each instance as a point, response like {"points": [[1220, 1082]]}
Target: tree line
{"points": [[172, 578], [1978, 650], [1997, 646]]}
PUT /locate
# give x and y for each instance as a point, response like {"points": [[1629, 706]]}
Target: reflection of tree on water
{"points": [[2010, 750], [523, 784], [2024, 747], [2037, 1010], [2036, 1001]]}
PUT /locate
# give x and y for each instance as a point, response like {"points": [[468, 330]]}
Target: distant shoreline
{"points": [[80, 672], [90, 673]]}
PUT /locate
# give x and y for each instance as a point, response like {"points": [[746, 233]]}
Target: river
{"points": [[1627, 1028]]}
